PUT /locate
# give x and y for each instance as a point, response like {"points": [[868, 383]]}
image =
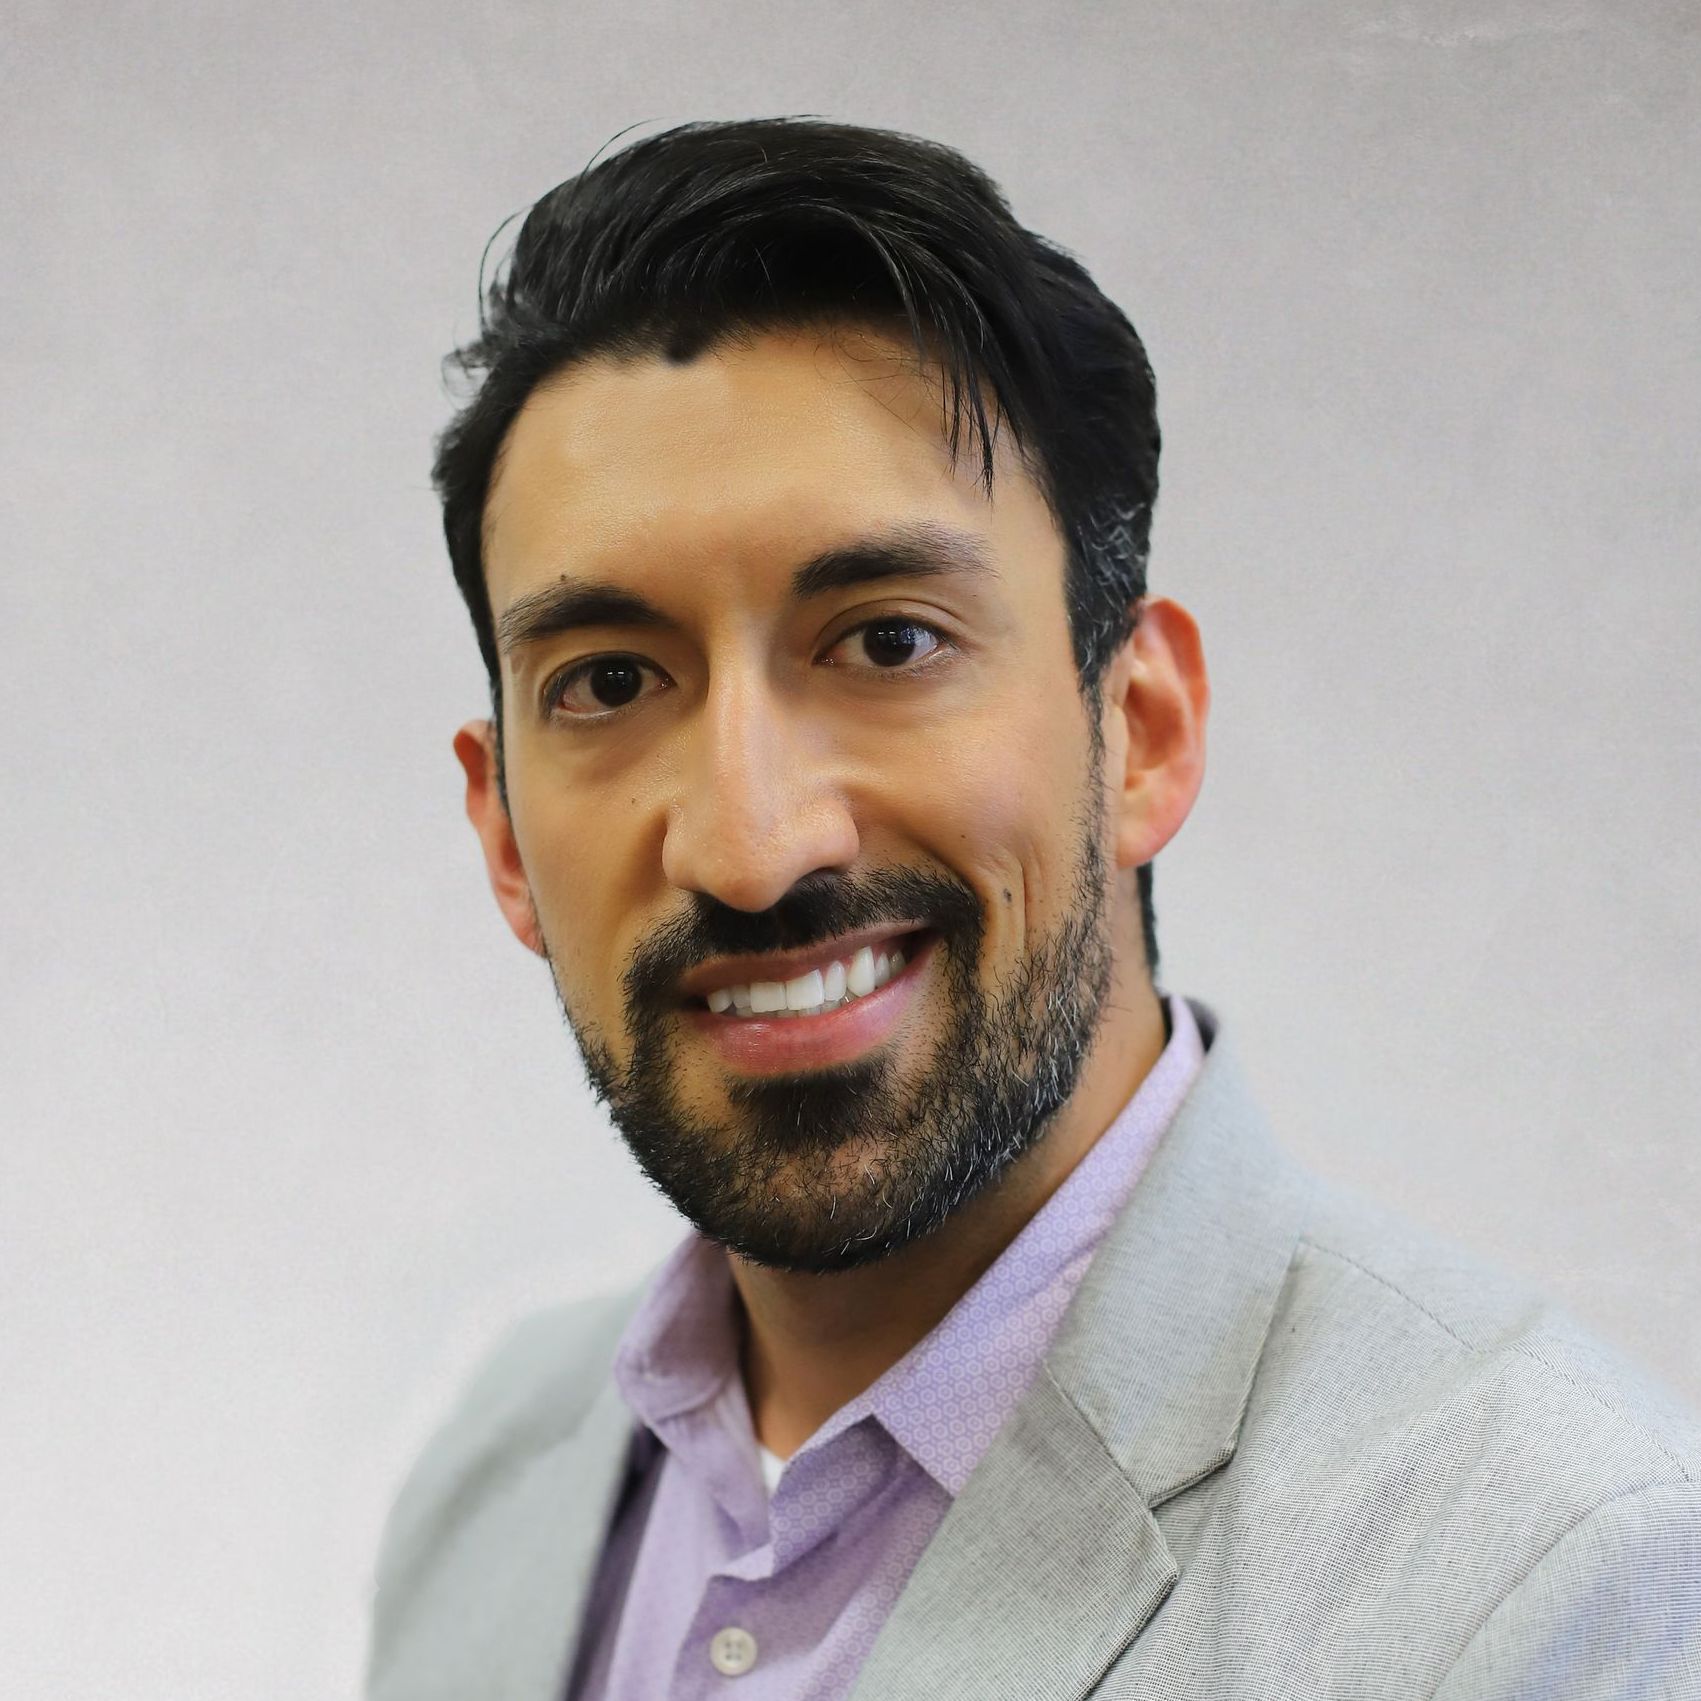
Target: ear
{"points": [[475, 746], [1156, 699]]}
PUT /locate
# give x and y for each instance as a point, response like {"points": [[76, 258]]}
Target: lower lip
{"points": [[786, 1044]]}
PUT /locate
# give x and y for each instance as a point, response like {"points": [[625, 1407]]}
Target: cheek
{"points": [[579, 862], [1006, 820]]}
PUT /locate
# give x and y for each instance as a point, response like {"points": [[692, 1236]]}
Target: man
{"points": [[1008, 1355]]}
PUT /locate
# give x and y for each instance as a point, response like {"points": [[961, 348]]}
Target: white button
{"points": [[732, 1651]]}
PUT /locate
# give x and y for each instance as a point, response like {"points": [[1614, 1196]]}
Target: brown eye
{"points": [[614, 683], [890, 643], [602, 686]]}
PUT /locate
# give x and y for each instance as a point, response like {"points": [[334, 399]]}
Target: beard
{"points": [[837, 1167]]}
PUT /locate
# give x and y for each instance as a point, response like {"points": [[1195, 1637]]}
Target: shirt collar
{"points": [[947, 1397], [681, 1346]]}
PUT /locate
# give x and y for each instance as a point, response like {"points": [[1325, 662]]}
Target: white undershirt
{"points": [[772, 1465]]}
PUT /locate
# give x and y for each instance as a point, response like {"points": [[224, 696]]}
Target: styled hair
{"points": [[712, 231]]}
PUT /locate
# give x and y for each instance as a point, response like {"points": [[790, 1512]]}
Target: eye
{"points": [[600, 687], [892, 642]]}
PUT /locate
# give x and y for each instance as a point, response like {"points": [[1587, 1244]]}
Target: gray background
{"points": [[291, 1126]]}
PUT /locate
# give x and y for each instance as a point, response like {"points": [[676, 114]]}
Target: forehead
{"points": [[745, 459]]}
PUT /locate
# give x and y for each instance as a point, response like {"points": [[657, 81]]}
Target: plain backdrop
{"points": [[290, 1126]]}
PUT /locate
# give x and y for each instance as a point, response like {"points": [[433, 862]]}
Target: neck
{"points": [[814, 1342]]}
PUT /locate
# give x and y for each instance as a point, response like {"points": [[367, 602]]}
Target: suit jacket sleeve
{"points": [[1611, 1611]]}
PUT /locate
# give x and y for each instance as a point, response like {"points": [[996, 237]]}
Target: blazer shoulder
{"points": [[1612, 1608], [1449, 1331], [529, 1392]]}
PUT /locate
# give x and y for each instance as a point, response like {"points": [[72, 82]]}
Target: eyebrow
{"points": [[914, 550]]}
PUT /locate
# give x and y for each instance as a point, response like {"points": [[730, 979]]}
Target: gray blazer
{"points": [[1284, 1445]]}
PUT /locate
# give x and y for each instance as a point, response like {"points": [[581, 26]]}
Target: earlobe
{"points": [[475, 749], [1161, 700]]}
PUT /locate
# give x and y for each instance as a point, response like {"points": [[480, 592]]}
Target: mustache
{"points": [[819, 907]]}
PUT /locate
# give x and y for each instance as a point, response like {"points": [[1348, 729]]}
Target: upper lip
{"points": [[788, 965]]}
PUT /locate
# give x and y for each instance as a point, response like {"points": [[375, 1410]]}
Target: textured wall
{"points": [[289, 1125]]}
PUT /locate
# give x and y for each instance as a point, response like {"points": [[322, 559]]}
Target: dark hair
{"points": [[709, 231]]}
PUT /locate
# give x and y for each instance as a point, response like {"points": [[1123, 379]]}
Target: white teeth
{"points": [[813, 993], [859, 978]]}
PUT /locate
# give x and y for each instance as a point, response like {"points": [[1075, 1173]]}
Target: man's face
{"points": [[789, 703]]}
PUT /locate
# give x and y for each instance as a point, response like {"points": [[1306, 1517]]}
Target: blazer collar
{"points": [[1050, 1562], [493, 1608], [1162, 1341]]}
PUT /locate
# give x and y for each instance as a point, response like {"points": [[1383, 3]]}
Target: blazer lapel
{"points": [[1050, 1562], [1045, 1568], [554, 1545], [499, 1617]]}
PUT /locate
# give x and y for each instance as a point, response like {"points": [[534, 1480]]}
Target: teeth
{"points": [[859, 978], [812, 993]]}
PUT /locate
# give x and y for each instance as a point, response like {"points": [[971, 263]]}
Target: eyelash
{"points": [[569, 676]]}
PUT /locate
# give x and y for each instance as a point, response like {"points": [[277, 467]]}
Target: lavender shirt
{"points": [[708, 1577]]}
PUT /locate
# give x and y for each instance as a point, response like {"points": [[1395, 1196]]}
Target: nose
{"points": [[758, 805]]}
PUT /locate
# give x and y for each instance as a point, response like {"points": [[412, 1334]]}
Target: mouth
{"points": [[831, 1012], [824, 984]]}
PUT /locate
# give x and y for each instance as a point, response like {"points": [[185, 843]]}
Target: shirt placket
{"points": [[740, 1629]]}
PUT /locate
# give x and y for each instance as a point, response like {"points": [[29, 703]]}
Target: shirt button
{"points": [[732, 1651]]}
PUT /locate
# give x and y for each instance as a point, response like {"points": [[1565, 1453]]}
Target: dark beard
{"points": [[838, 1167]]}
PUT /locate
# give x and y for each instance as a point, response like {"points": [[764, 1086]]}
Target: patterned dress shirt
{"points": [[711, 1582]]}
